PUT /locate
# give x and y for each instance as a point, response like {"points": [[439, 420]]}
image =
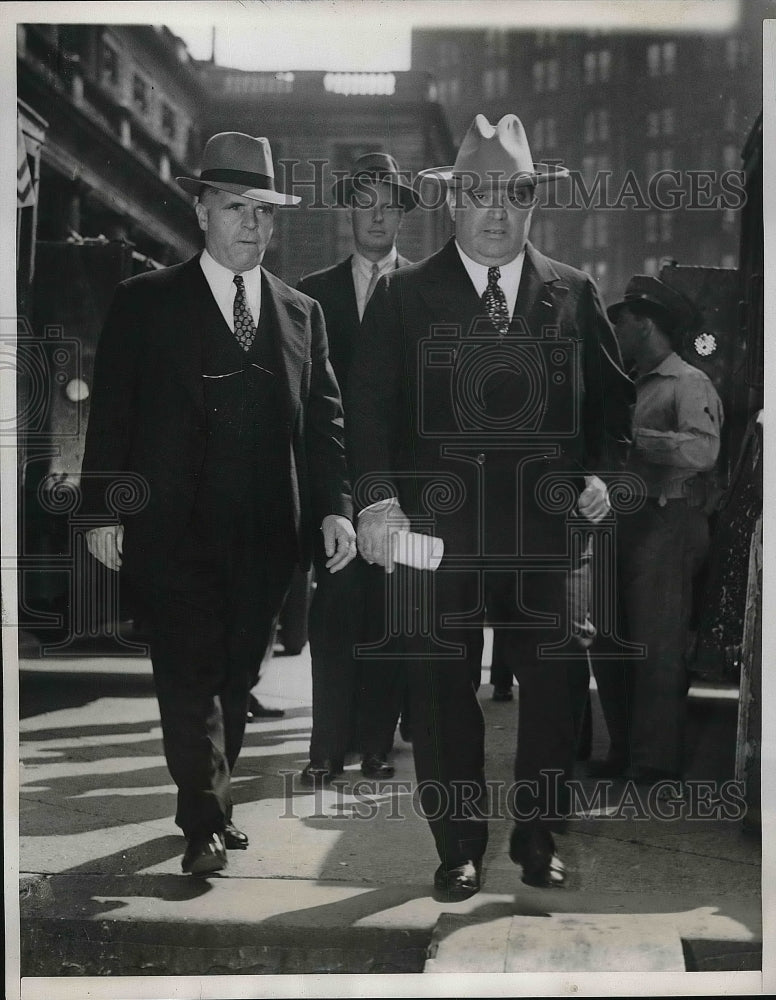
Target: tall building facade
{"points": [[650, 124]]}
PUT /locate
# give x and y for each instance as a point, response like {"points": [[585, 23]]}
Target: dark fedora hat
{"points": [[651, 296], [369, 168], [240, 164], [495, 154]]}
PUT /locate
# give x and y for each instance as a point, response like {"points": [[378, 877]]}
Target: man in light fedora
{"points": [[485, 404], [355, 702], [212, 387]]}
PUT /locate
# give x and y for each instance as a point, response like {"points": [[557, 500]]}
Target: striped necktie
{"points": [[244, 328], [495, 302]]}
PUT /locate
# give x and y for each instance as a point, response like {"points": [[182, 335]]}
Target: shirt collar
{"points": [[510, 272], [223, 278], [671, 366], [365, 266]]}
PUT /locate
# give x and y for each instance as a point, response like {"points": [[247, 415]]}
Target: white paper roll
{"points": [[418, 551]]}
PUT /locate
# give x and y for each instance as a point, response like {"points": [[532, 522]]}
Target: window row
{"points": [[141, 91]]}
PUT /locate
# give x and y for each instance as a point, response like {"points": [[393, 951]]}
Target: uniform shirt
{"points": [[509, 280], [676, 427], [362, 274], [221, 282]]}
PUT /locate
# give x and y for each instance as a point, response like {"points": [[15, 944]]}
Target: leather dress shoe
{"points": [[319, 773], [534, 851], [205, 854], [234, 839], [374, 765], [454, 884], [503, 694], [258, 711]]}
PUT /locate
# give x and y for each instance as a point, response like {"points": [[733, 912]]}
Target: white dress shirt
{"points": [[362, 274], [509, 280], [221, 282]]}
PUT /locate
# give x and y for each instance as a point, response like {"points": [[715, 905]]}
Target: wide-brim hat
{"points": [[372, 168], [675, 309], [240, 164], [495, 154]]}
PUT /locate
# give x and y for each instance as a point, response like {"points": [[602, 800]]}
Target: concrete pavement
{"points": [[339, 881]]}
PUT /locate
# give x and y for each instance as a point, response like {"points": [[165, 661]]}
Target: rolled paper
{"points": [[417, 551]]}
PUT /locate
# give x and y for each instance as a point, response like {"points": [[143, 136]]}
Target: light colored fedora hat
{"points": [[495, 154], [240, 164]]}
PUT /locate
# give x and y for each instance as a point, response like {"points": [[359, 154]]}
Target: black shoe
{"points": [[320, 773], [374, 766], [502, 694], [258, 711], [234, 839], [534, 851], [454, 884], [205, 854]]}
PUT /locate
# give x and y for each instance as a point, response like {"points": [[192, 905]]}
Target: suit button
{"points": [[481, 458]]}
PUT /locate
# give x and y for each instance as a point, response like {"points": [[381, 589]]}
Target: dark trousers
{"points": [[211, 620], [356, 699], [448, 725], [660, 551]]}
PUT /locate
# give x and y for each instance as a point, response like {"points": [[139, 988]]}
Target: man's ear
{"points": [[201, 211]]}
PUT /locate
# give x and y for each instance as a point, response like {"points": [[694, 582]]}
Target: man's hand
{"points": [[376, 525], [593, 502], [339, 540], [106, 544]]}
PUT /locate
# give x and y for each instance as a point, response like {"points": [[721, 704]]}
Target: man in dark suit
{"points": [[355, 700], [485, 401], [214, 395]]}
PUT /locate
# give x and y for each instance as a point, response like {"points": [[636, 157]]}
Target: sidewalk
{"points": [[340, 880]]}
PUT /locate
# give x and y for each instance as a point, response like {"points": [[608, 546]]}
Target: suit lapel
{"points": [[536, 296], [288, 326], [184, 337], [448, 292]]}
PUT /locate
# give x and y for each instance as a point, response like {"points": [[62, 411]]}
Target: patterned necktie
{"points": [[374, 278], [495, 302], [244, 328]]}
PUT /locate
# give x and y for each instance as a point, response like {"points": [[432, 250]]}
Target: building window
{"points": [[650, 266], [650, 228], [455, 90], [502, 44], [668, 121], [503, 81], [729, 220], [489, 84], [601, 230], [538, 77], [603, 125], [735, 53], [666, 227], [669, 58], [110, 65], [653, 60], [731, 115], [601, 273], [589, 127], [140, 93], [589, 67], [588, 168], [169, 124], [553, 74], [588, 233], [604, 65]]}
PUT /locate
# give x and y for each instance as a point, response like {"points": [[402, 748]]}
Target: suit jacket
{"points": [[440, 408], [333, 287], [147, 415]]}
